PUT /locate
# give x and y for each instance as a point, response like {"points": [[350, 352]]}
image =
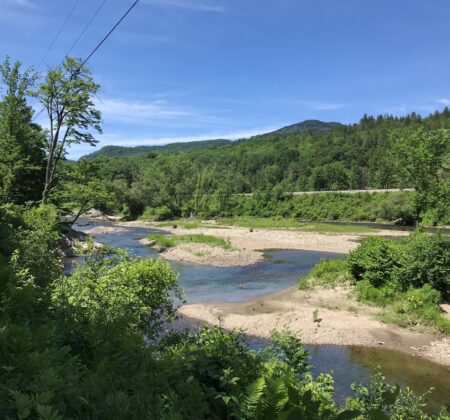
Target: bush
{"points": [[380, 296], [376, 260], [36, 242], [427, 261], [163, 213], [134, 293], [328, 273]]}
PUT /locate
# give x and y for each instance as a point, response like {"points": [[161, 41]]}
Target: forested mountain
{"points": [[145, 151], [310, 126]]}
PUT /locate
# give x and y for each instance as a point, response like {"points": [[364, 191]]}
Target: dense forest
{"points": [[99, 343], [210, 181]]}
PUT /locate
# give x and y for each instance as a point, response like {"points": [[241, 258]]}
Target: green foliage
{"points": [[150, 152], [421, 156], [36, 241], [327, 273], [134, 294], [82, 191], [380, 296], [427, 261], [376, 260], [158, 214], [170, 241], [21, 141], [380, 400]]}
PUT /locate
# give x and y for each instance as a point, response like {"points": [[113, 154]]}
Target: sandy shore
{"points": [[339, 319], [249, 244], [209, 255]]}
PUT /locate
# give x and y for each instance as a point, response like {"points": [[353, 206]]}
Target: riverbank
{"points": [[248, 244], [318, 316]]}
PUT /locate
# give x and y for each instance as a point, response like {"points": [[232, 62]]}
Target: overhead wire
{"points": [[86, 27], [59, 32], [97, 47]]}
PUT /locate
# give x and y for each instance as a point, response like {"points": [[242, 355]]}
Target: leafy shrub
{"points": [[427, 261], [422, 306], [136, 294], [328, 273], [376, 260], [163, 213], [36, 242], [380, 296]]}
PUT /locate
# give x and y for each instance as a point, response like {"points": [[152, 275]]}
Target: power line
{"points": [[109, 33], [97, 47], [59, 32], [86, 27]]}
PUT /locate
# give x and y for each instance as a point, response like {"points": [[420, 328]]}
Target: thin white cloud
{"points": [[190, 5], [443, 101], [148, 112]]}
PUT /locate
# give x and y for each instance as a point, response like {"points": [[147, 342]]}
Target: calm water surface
{"points": [[280, 270]]}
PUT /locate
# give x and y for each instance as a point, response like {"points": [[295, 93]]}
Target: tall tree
{"points": [[21, 141], [66, 94], [421, 156]]}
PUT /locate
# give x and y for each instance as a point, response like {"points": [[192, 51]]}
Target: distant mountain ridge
{"points": [[142, 151], [313, 126]]}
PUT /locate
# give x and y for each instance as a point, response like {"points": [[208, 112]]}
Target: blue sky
{"points": [[180, 70]]}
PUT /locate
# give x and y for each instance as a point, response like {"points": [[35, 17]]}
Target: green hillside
{"points": [[143, 151], [308, 126]]}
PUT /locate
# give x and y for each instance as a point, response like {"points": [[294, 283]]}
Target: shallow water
{"points": [[279, 270], [351, 364]]}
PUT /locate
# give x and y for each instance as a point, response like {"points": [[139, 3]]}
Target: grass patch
{"points": [[285, 223], [170, 241], [328, 273]]}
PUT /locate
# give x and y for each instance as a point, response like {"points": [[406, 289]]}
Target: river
{"points": [[279, 270]]}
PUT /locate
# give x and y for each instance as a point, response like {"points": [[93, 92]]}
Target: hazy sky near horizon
{"points": [[181, 70]]}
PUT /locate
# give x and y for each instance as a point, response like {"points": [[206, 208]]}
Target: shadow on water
{"points": [[279, 270]]}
